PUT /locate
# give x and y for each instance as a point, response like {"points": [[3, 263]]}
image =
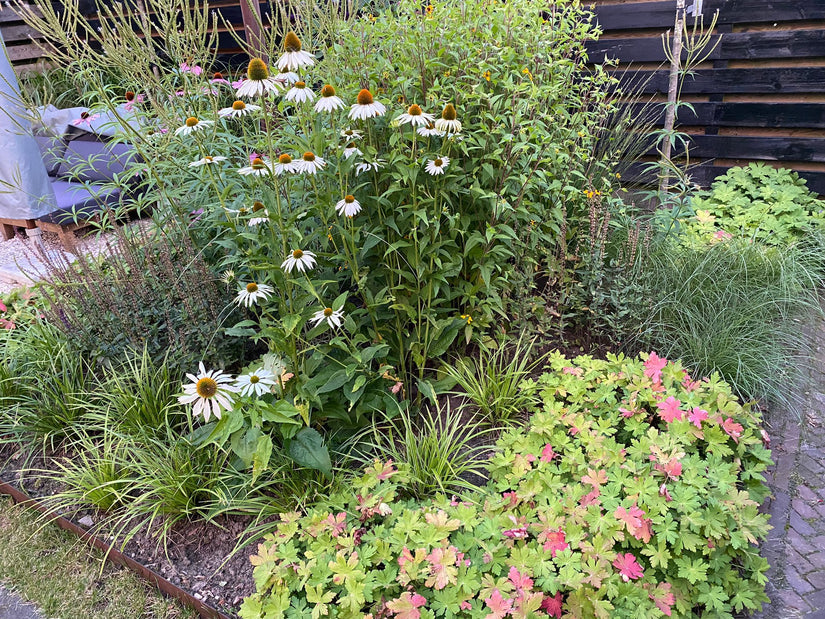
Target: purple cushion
{"points": [[76, 202], [94, 161]]}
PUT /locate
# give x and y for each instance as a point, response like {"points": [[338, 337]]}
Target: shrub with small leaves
{"points": [[634, 492]]}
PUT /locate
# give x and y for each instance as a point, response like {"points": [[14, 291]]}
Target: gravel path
{"points": [[21, 248]]}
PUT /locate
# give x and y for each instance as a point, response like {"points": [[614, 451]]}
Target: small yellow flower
{"points": [[487, 75], [429, 10], [467, 317], [581, 134], [618, 175], [371, 17], [526, 72]]}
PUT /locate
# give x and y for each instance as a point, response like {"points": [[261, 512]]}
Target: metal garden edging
{"points": [[115, 556]]}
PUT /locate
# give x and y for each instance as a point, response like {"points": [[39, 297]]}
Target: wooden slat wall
{"points": [[760, 95], [18, 39]]}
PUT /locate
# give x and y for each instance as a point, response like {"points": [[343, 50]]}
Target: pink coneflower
{"points": [[85, 119], [194, 70], [218, 78]]}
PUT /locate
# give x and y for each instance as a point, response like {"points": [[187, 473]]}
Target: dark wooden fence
{"points": [[760, 96]]}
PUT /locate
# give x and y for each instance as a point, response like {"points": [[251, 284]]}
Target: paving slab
{"points": [[12, 606]]}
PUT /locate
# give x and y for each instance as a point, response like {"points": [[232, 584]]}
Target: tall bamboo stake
{"points": [[672, 90]]}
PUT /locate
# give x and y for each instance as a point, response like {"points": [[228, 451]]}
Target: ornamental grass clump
{"points": [[633, 492]]}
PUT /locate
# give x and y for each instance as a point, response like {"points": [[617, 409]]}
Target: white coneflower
{"points": [[299, 260], [367, 166], [415, 117], [299, 93], [238, 109], [310, 163], [206, 161], [285, 164], [329, 101], [430, 131], [260, 214], [351, 150], [437, 166], [334, 318], [351, 135], [258, 167], [287, 78], [348, 207], [448, 123], [249, 294], [211, 392], [259, 82], [193, 124], [294, 58], [259, 382], [366, 107]]}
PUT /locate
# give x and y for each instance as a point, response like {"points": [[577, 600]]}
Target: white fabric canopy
{"points": [[25, 189]]}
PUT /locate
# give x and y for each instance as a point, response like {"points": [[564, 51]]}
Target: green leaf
{"points": [[244, 444], [260, 459], [308, 449]]}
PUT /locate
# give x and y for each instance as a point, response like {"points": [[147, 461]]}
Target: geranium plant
{"points": [[633, 492]]}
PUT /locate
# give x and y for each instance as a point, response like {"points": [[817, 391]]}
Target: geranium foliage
{"points": [[633, 492]]}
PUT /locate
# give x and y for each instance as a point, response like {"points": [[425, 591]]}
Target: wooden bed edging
{"points": [[115, 556]]}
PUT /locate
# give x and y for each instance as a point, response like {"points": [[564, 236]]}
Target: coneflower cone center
{"points": [[327, 91], [218, 76], [206, 387], [365, 97], [414, 110], [256, 206], [284, 159], [254, 379], [257, 70], [297, 254], [327, 312], [252, 287], [309, 157], [449, 112], [130, 95], [439, 162], [191, 121], [291, 42], [257, 163], [238, 105], [349, 199], [300, 84]]}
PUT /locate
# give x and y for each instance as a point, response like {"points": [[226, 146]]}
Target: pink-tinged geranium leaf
{"points": [[733, 429], [595, 478], [520, 581], [442, 567], [663, 597], [637, 525], [547, 454], [552, 605], [590, 498], [669, 409], [654, 366], [672, 468], [554, 541], [3, 308], [697, 416], [385, 471], [628, 567], [407, 605], [498, 605]]}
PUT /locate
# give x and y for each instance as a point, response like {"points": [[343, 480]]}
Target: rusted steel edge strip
{"points": [[115, 556]]}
